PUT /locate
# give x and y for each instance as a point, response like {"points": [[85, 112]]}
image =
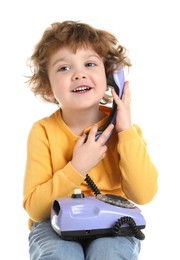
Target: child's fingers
{"points": [[116, 98], [92, 133], [126, 97], [81, 140], [102, 139]]}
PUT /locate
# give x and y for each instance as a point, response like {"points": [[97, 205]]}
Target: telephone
{"points": [[115, 80], [84, 217]]}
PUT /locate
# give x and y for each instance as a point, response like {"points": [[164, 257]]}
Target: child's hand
{"points": [[123, 117], [87, 154]]}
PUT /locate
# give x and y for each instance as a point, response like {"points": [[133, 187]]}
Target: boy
{"points": [[71, 63]]}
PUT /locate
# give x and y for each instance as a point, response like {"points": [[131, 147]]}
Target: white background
{"points": [[150, 31]]}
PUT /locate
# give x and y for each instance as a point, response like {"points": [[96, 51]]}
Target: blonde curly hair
{"points": [[72, 34]]}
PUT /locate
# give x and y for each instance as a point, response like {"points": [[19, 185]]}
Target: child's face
{"points": [[78, 80]]}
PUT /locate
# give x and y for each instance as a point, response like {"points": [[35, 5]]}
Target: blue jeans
{"points": [[45, 244]]}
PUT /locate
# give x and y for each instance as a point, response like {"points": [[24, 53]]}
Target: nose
{"points": [[79, 75]]}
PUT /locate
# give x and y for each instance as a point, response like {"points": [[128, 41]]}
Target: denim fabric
{"points": [[45, 244]]}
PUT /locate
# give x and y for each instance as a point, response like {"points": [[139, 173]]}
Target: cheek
{"points": [[59, 96], [103, 84], [55, 86]]}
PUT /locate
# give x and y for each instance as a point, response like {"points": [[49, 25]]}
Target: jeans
{"points": [[45, 244]]}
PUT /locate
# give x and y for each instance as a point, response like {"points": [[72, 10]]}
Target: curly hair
{"points": [[72, 34]]}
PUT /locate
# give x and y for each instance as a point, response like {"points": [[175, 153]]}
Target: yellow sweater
{"points": [[126, 170]]}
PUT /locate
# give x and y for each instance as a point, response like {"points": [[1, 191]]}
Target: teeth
{"points": [[81, 89]]}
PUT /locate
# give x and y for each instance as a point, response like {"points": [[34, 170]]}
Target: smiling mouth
{"points": [[81, 89]]}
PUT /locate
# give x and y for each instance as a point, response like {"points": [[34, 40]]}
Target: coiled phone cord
{"points": [[123, 220], [92, 185], [128, 220]]}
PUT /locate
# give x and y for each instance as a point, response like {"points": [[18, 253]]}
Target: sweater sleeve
{"points": [[44, 182], [139, 175]]}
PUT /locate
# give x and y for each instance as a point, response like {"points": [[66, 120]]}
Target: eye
{"points": [[90, 64], [64, 68]]}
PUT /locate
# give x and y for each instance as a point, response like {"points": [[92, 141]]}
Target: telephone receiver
{"points": [[115, 80]]}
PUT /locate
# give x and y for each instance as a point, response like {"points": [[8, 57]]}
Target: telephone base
{"points": [[89, 217]]}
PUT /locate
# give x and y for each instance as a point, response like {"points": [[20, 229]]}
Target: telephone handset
{"points": [[115, 80]]}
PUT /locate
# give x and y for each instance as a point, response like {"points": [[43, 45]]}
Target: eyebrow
{"points": [[58, 60], [86, 57]]}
